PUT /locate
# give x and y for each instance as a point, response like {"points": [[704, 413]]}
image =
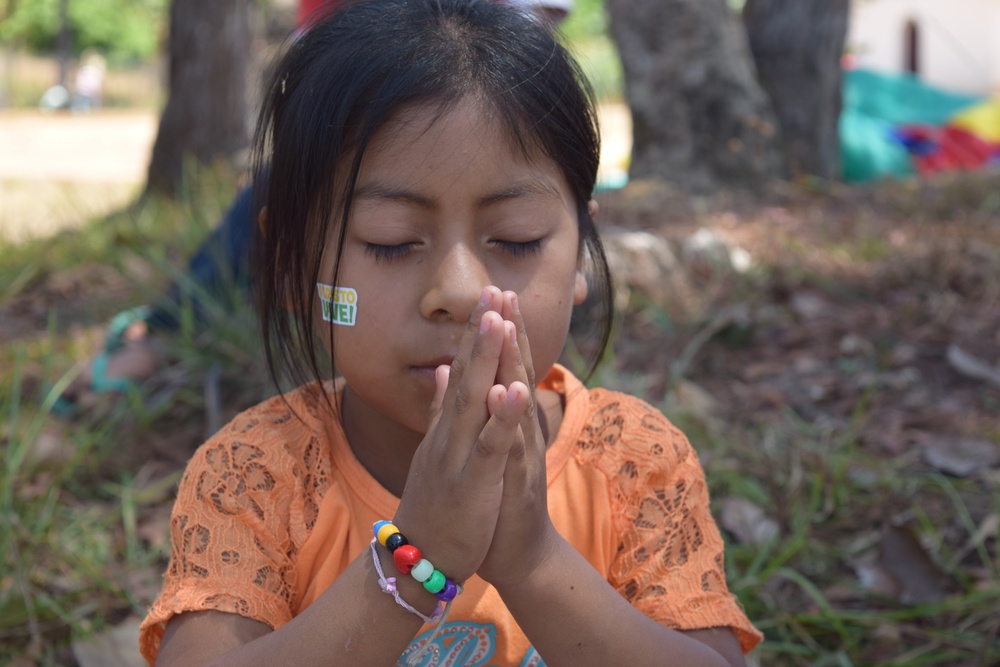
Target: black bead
{"points": [[395, 541]]}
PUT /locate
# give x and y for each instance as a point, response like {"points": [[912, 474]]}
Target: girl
{"points": [[217, 274], [427, 215]]}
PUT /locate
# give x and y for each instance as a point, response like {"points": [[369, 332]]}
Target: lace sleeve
{"points": [[669, 561], [242, 510]]}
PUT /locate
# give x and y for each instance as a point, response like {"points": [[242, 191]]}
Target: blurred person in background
{"points": [[88, 86]]}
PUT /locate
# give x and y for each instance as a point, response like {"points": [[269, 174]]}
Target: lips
{"points": [[444, 360], [428, 368]]}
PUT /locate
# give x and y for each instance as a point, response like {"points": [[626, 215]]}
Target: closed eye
{"points": [[519, 249], [388, 253]]}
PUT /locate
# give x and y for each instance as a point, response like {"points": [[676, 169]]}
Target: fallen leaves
{"points": [[117, 647], [918, 577], [971, 366], [960, 456], [747, 522]]}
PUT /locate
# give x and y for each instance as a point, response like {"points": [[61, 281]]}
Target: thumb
{"points": [[441, 374]]}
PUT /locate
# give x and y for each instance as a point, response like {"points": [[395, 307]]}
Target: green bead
{"points": [[435, 582], [422, 570]]}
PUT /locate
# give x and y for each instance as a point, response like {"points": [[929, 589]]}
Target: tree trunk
{"points": [[797, 48], [205, 116], [700, 119]]}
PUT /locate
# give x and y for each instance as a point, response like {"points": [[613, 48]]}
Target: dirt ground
{"points": [[59, 169]]}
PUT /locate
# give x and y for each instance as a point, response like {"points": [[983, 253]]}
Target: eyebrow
{"points": [[379, 192], [523, 189]]}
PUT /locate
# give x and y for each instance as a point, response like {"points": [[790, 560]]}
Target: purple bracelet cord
{"points": [[389, 586]]}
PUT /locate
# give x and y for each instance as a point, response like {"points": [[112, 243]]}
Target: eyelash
{"points": [[389, 253], [520, 249]]}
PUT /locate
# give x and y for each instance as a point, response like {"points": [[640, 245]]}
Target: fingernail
{"points": [[485, 297], [511, 332], [484, 324], [513, 302]]}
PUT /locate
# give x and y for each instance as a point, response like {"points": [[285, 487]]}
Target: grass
{"points": [[802, 476], [84, 502]]}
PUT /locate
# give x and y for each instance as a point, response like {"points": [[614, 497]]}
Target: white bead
{"points": [[422, 570]]}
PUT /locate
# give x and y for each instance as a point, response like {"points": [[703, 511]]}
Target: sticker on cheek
{"points": [[340, 304]]}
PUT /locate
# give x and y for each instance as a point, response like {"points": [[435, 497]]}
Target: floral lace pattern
{"points": [[245, 506], [251, 497], [669, 545]]}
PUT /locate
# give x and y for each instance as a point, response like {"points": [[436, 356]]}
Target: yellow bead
{"points": [[385, 531]]}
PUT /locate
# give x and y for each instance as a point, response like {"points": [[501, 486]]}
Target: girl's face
{"points": [[443, 207]]}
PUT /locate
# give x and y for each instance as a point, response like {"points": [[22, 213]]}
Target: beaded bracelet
{"points": [[409, 560], [388, 586]]}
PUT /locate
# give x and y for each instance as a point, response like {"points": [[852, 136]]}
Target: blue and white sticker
{"points": [[340, 304]]}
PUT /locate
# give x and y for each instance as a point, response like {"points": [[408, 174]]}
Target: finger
{"points": [[511, 312], [490, 299], [488, 460], [524, 482], [466, 399], [520, 465], [510, 368], [495, 396], [514, 367], [441, 374]]}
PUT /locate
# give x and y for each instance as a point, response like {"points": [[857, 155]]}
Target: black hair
{"points": [[350, 74]]}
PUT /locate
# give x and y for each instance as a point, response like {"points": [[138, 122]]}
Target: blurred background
{"points": [[801, 207]]}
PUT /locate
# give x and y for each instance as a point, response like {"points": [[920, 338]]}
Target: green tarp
{"points": [[874, 105]]}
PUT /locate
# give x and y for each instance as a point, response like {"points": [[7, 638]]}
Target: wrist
{"points": [[397, 553], [536, 568], [409, 589]]}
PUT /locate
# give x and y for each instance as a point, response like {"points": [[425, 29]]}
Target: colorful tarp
{"points": [[894, 125]]}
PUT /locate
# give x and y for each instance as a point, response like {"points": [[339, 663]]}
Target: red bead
{"points": [[406, 557]]}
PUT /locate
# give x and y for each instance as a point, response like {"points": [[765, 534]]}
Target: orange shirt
{"points": [[273, 508]]}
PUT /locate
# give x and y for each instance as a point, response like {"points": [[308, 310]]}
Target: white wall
{"points": [[959, 40]]}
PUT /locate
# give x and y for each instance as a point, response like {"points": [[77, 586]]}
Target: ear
{"points": [[581, 289], [262, 221]]}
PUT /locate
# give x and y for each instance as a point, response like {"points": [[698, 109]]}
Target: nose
{"points": [[455, 282]]}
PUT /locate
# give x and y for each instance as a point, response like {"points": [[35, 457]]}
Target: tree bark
{"points": [[206, 113], [797, 47], [700, 119]]}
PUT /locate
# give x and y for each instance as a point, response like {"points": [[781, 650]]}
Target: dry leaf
{"points": [[118, 647], [971, 366], [873, 577], [691, 399], [154, 526], [51, 446], [919, 577], [808, 305], [960, 456], [747, 522]]}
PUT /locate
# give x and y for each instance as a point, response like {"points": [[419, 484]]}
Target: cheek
{"points": [[547, 325]]}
